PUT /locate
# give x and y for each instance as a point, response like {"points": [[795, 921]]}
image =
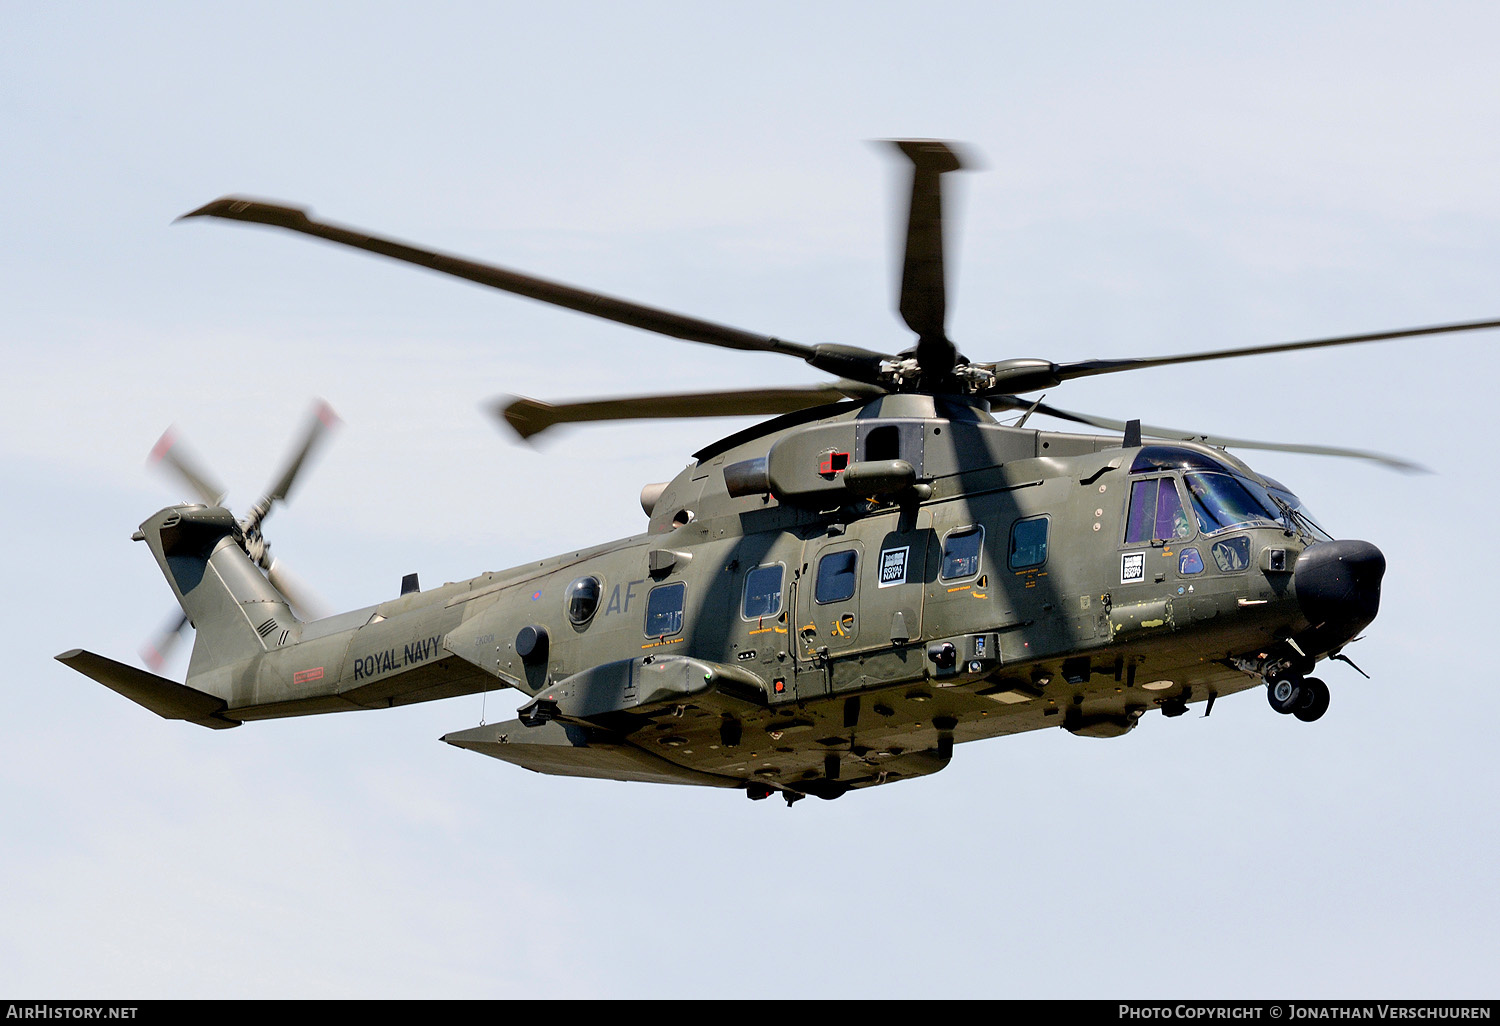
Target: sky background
{"points": [[1152, 178]]}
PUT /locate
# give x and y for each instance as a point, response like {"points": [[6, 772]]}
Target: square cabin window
{"points": [[664, 610], [762, 592], [1028, 543], [961, 553], [838, 574]]}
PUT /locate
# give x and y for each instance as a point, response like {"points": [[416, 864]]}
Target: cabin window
{"points": [[664, 610], [763, 592], [582, 600], [838, 574], [961, 553], [1189, 563], [1028, 543], [1156, 512]]}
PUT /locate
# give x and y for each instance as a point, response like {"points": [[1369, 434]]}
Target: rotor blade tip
{"points": [[934, 153], [325, 414], [163, 446], [241, 208]]}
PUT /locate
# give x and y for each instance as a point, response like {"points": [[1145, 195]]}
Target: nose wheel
{"points": [[1303, 697]]}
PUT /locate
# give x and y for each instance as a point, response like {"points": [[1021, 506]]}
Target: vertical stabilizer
{"points": [[236, 612]]}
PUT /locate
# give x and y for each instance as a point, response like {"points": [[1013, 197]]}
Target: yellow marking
{"points": [[963, 587], [763, 630], [975, 594], [661, 641]]}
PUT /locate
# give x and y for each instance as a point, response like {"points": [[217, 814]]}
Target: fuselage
{"points": [[1008, 580]]}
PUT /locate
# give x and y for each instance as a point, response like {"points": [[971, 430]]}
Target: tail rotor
{"points": [[170, 454]]}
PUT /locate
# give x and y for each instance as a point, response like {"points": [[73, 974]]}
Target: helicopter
{"points": [[829, 600]]}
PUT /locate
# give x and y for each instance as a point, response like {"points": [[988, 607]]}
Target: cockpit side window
{"points": [[1156, 512]]}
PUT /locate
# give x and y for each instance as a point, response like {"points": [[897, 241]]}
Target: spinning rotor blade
{"points": [[1029, 375], [1219, 441], [304, 602], [169, 453], [847, 361], [530, 417], [154, 653], [323, 418], [319, 423], [923, 282]]}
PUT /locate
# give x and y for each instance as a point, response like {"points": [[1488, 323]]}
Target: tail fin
{"points": [[234, 609]]}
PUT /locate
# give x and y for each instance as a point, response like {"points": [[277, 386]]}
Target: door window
{"points": [[664, 610], [838, 575], [961, 553]]}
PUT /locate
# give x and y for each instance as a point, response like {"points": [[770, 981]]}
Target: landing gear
{"points": [[1303, 697], [1284, 692], [1313, 701]]}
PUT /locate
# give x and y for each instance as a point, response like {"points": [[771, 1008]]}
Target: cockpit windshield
{"points": [[1296, 512], [1223, 497], [1222, 501]]}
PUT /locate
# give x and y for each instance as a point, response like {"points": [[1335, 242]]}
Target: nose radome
{"points": [[1338, 583]]}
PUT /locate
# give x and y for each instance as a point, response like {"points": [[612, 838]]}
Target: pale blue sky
{"points": [[1155, 178]]}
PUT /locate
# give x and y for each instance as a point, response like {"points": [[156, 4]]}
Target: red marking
{"points": [[163, 446], [303, 676], [833, 463], [780, 686]]}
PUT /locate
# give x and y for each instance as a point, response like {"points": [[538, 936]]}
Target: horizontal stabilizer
{"points": [[166, 698], [567, 750]]}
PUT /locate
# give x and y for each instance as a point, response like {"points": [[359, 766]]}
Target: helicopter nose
{"points": [[1338, 583]]}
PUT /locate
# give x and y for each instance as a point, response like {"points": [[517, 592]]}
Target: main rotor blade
{"points": [[169, 452], [1219, 441], [1087, 368], [923, 281], [1029, 375], [530, 417], [846, 360]]}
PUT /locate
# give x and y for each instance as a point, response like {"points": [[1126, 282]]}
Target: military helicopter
{"points": [[827, 601]]}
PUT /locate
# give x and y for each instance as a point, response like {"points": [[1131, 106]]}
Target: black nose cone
{"points": [[1338, 584]]}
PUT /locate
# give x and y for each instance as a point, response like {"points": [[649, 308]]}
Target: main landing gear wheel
{"points": [[1313, 700], [1284, 693]]}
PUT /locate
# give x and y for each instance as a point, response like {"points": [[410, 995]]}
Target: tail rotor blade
{"points": [[319, 423], [156, 652], [168, 452], [304, 602]]}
